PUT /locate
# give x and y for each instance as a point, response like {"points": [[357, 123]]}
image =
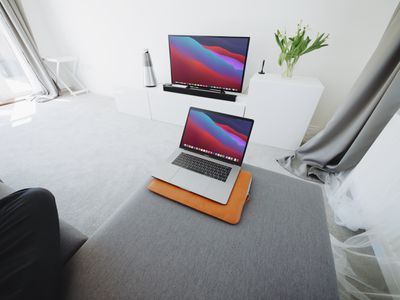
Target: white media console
{"points": [[282, 108]]}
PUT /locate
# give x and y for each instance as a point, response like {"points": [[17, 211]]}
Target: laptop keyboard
{"points": [[202, 166]]}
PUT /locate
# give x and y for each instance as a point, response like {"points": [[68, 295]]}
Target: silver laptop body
{"points": [[211, 180]]}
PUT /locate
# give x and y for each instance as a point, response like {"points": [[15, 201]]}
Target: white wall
{"points": [[109, 36]]}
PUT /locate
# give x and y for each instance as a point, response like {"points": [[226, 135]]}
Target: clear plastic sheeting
{"points": [[368, 197]]}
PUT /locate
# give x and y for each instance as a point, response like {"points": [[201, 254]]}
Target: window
{"points": [[17, 80]]}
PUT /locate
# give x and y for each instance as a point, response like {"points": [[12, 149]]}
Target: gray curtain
{"points": [[11, 13], [373, 100]]}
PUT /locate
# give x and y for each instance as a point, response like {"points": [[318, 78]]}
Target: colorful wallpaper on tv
{"points": [[216, 62], [217, 135]]}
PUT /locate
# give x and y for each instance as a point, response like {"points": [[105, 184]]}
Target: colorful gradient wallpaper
{"points": [[217, 135], [205, 61]]}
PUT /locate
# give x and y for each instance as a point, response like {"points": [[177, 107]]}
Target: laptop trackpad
{"points": [[190, 180]]}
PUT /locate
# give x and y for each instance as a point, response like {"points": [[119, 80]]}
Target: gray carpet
{"points": [[93, 157], [89, 155]]}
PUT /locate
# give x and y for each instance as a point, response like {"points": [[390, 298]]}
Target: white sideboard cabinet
{"points": [[282, 108]]}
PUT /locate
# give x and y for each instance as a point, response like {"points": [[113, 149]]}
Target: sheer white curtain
{"points": [[16, 29], [16, 76], [368, 197]]}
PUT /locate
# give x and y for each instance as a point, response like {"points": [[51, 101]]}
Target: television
{"points": [[209, 62]]}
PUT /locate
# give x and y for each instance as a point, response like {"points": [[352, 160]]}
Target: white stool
{"points": [[58, 61]]}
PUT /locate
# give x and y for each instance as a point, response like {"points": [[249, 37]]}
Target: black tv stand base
{"points": [[195, 91]]}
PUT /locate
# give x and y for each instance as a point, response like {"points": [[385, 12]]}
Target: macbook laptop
{"points": [[210, 154]]}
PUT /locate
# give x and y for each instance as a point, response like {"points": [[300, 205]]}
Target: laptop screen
{"points": [[220, 136]]}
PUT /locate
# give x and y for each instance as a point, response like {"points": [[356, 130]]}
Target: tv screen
{"points": [[208, 61]]}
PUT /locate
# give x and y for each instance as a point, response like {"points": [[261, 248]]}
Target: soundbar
{"points": [[221, 95]]}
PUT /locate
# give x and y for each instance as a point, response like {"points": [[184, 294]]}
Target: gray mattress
{"points": [[153, 248]]}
